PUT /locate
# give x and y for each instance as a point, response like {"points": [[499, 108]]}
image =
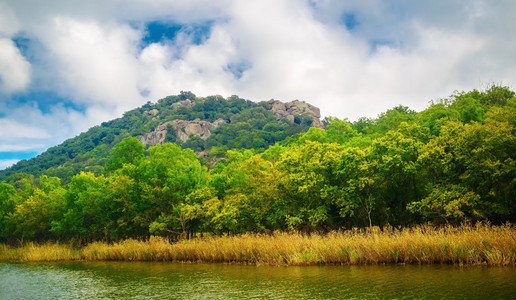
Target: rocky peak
{"points": [[202, 129], [291, 109], [184, 103], [184, 129], [152, 112]]}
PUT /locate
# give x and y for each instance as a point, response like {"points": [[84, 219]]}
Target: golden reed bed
{"points": [[481, 244]]}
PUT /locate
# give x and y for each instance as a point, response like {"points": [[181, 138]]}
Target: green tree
{"points": [[496, 95], [190, 213], [357, 179], [449, 202], [130, 211], [33, 217], [313, 192], [488, 153], [128, 151], [470, 160], [397, 170], [437, 114], [168, 175], [88, 212], [393, 118], [7, 205]]}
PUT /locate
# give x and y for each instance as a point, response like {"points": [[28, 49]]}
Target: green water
{"points": [[144, 280]]}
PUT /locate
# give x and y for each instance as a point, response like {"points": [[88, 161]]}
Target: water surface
{"points": [[149, 280]]}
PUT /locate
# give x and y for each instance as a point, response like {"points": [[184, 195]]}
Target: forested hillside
{"points": [[453, 162], [210, 126]]}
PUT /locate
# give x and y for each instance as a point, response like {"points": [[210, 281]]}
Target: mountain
{"points": [[208, 125], [452, 163]]}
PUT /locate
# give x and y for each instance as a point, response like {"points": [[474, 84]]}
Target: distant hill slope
{"points": [[209, 125]]}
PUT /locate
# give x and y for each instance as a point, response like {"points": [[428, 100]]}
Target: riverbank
{"points": [[482, 244]]}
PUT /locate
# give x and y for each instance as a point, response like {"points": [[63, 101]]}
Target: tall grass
{"points": [[480, 244], [40, 252]]}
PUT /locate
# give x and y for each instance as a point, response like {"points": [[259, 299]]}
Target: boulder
{"points": [[185, 103], [289, 110], [151, 112], [202, 129], [184, 129]]}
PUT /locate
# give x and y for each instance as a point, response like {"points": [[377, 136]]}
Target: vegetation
{"points": [[453, 163], [422, 245], [249, 125]]}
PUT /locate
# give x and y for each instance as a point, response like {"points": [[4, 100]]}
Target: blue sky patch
{"points": [[159, 31], [22, 43], [350, 21], [237, 69], [31, 48], [144, 92], [46, 100], [18, 155], [375, 44]]}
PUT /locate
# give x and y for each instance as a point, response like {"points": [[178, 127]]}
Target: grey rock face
{"points": [[202, 129], [184, 129], [151, 112], [289, 110], [154, 137], [185, 103]]}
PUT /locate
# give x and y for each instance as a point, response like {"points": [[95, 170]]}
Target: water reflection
{"points": [[143, 280]]}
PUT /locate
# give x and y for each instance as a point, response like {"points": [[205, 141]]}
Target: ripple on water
{"points": [[144, 280]]}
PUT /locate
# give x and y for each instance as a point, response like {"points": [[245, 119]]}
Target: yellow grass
{"points": [[481, 244], [39, 252]]}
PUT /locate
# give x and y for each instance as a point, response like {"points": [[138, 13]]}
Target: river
{"points": [[151, 280]]}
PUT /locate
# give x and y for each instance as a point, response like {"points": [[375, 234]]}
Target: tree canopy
{"points": [[451, 163]]}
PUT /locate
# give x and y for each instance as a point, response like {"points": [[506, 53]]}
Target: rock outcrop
{"points": [[185, 103], [202, 129], [183, 129], [154, 137], [152, 112], [291, 109]]}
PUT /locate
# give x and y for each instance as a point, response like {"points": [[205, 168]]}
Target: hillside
{"points": [[210, 126], [452, 163]]}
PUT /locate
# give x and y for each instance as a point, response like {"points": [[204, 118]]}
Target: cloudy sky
{"points": [[67, 65]]}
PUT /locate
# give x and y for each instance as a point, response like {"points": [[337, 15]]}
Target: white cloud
{"points": [[298, 54], [406, 52], [8, 21], [10, 129], [295, 56], [201, 68], [97, 61], [24, 147], [26, 127], [5, 163], [14, 68]]}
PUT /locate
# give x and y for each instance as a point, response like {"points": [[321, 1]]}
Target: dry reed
{"points": [[39, 252], [481, 244]]}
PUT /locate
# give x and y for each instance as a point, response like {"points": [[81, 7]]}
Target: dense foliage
{"points": [[451, 163], [249, 125]]}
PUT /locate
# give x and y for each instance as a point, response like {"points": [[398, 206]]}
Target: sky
{"points": [[68, 65]]}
